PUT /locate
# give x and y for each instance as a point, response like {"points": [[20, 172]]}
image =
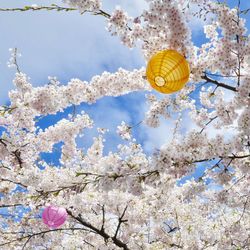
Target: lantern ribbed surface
{"points": [[54, 217], [167, 71]]}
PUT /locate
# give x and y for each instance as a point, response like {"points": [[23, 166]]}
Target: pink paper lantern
{"points": [[54, 217]]}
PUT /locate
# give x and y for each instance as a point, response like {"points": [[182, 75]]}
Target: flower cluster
{"points": [[191, 193], [160, 27], [84, 5], [124, 131]]}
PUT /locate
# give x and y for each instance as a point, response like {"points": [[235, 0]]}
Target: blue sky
{"points": [[70, 45]]}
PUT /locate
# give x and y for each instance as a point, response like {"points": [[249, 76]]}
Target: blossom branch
{"points": [[28, 237], [15, 182], [54, 7], [36, 8], [100, 232]]}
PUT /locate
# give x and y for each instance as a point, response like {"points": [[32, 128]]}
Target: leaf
{"points": [[56, 193], [79, 174]]}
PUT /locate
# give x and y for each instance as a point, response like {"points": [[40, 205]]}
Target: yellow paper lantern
{"points": [[167, 71]]}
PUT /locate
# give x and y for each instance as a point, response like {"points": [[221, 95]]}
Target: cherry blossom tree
{"points": [[129, 199]]}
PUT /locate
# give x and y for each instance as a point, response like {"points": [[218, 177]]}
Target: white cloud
{"points": [[66, 45], [156, 137]]}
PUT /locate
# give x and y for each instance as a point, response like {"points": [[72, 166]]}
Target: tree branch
{"points": [[100, 232], [219, 84]]}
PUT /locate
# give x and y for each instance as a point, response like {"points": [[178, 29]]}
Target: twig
{"points": [[219, 84], [245, 11], [41, 233], [171, 229], [120, 221], [27, 241], [178, 225], [103, 218], [10, 205], [241, 178], [218, 75], [238, 42], [244, 209], [15, 60], [208, 123]]}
